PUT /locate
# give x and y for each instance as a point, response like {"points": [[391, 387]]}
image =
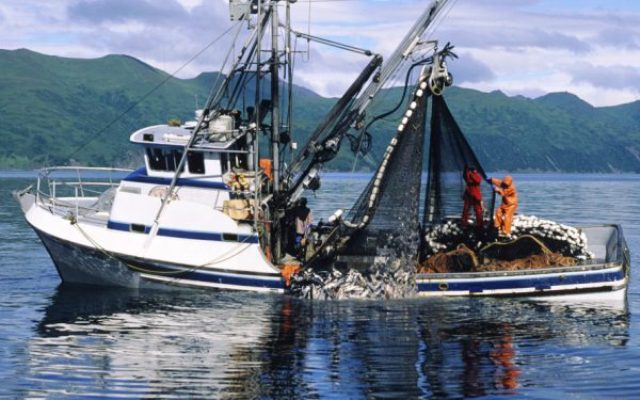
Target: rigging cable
{"points": [[96, 135], [361, 139], [224, 63], [243, 245]]}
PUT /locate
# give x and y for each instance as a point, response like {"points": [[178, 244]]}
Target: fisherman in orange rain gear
{"points": [[504, 214], [472, 196]]}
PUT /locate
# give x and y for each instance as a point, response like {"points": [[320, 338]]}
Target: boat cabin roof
{"points": [[178, 136]]}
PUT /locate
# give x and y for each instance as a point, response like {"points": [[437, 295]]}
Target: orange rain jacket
{"points": [[504, 214]]}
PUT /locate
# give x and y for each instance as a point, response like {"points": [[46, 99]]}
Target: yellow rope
{"points": [[133, 267], [544, 248]]}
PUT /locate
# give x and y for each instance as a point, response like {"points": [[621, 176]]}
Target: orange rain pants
{"points": [[477, 206], [504, 214]]}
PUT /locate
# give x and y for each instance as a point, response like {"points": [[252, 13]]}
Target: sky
{"points": [[522, 47]]}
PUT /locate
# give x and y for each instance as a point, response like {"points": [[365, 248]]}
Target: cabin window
{"points": [[224, 162], [137, 228], [156, 160], [163, 159], [196, 162], [230, 237]]}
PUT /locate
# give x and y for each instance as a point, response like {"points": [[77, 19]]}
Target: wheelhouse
{"points": [[223, 150]]}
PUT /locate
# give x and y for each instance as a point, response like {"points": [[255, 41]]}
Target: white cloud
{"points": [[190, 4]]}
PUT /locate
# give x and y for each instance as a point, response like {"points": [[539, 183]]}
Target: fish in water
{"points": [[394, 278]]}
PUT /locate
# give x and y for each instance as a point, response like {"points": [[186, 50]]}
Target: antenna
{"points": [[241, 10]]}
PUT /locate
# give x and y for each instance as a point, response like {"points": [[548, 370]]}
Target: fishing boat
{"points": [[210, 208], [214, 204]]}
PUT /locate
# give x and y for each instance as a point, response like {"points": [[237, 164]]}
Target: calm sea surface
{"points": [[81, 343]]}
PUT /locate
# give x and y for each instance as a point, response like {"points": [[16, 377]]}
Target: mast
{"points": [[278, 212], [258, 117], [289, 69], [275, 98]]}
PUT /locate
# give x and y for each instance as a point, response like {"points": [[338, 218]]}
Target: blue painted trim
{"points": [[213, 236], [159, 145], [140, 175], [543, 282], [275, 282]]}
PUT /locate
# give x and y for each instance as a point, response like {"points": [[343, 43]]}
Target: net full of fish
{"points": [[394, 278]]}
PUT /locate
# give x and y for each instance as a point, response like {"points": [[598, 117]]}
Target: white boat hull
{"points": [[127, 259], [96, 255], [558, 281]]}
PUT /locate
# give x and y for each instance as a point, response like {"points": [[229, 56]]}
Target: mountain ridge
{"points": [[44, 99]]}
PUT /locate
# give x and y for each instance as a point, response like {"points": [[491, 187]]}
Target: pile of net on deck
{"points": [[532, 243]]}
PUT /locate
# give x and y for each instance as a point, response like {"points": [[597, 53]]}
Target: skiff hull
{"points": [[607, 275]]}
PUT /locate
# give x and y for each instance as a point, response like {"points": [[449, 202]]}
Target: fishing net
{"points": [[449, 154], [377, 247], [388, 210], [378, 244], [385, 219]]}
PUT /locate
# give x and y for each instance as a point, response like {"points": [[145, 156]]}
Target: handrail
{"points": [[47, 170], [76, 181]]}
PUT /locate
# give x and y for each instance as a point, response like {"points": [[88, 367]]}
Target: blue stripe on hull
{"points": [[213, 236], [538, 283], [206, 276]]}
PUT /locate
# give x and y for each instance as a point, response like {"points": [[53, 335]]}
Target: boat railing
{"points": [[76, 189]]}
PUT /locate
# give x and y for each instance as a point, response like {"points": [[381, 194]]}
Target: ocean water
{"points": [[59, 342]]}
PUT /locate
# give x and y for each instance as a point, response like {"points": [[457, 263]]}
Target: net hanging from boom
{"points": [[449, 154], [386, 215], [386, 220], [381, 235]]}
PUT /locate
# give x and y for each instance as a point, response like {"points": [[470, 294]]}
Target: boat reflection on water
{"points": [[236, 345], [503, 347]]}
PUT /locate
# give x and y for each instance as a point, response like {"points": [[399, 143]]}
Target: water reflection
{"points": [[138, 344], [489, 351], [232, 346]]}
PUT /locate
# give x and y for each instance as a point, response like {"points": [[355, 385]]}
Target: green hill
{"points": [[58, 110]]}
